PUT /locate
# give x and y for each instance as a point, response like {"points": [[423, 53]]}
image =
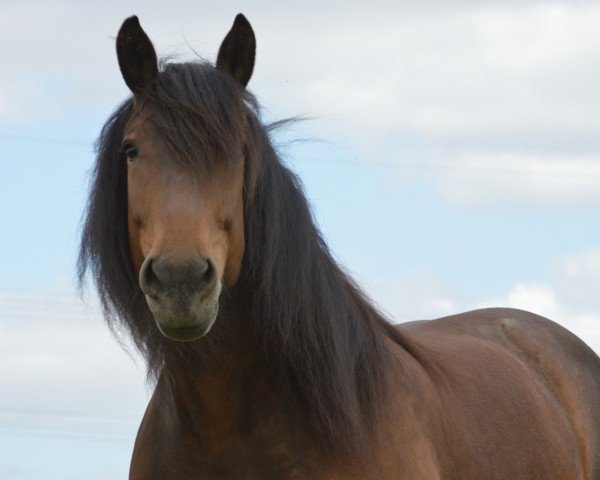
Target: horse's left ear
{"points": [[238, 50], [137, 58]]}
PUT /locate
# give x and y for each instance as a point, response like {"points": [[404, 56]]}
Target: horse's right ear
{"points": [[137, 58]]}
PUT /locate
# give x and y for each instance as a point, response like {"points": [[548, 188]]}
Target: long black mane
{"points": [[323, 336]]}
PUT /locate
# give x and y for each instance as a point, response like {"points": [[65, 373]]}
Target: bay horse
{"points": [[269, 362]]}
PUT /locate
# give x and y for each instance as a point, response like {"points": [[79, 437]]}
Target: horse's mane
{"points": [[323, 336]]}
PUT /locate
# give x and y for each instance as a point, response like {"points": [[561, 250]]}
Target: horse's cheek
{"points": [[135, 251]]}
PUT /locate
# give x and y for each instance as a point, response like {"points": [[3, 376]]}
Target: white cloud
{"points": [[474, 82], [449, 74], [571, 298], [583, 266], [502, 99], [534, 297], [417, 295], [578, 279], [60, 368], [513, 179]]}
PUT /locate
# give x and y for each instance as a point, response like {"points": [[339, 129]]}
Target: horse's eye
{"points": [[130, 152]]}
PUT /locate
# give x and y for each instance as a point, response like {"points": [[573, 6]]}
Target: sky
{"points": [[452, 159]]}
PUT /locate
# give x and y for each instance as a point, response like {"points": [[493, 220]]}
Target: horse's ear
{"points": [[137, 58], [238, 50]]}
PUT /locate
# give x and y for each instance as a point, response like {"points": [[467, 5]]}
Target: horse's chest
{"points": [[264, 458], [237, 463], [164, 452]]}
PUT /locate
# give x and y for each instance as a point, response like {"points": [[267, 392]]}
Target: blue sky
{"points": [[453, 162]]}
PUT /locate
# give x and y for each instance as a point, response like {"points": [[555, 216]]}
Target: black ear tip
{"points": [[241, 20], [129, 22]]}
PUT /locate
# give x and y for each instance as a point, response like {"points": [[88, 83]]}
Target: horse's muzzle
{"points": [[183, 297]]}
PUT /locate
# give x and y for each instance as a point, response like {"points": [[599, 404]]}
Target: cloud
{"points": [[480, 70], [578, 279], [500, 100], [60, 368], [571, 298], [514, 179], [490, 75], [486, 86], [417, 295]]}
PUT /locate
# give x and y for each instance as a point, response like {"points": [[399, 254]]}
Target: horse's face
{"points": [[186, 233]]}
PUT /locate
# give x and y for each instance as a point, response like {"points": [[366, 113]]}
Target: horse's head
{"points": [[186, 231]]}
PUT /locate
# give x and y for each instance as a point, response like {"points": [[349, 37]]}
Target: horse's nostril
{"points": [[209, 270], [149, 281], [197, 269], [202, 274]]}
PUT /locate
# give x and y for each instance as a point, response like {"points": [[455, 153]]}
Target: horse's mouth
{"points": [[185, 334], [185, 319]]}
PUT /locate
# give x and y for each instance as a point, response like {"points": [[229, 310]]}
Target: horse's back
{"points": [[542, 385]]}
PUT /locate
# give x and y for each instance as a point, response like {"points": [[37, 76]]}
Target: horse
{"points": [[267, 360]]}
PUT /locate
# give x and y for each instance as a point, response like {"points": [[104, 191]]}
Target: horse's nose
{"points": [[159, 275]]}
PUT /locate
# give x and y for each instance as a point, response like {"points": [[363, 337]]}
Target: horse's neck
{"points": [[237, 421], [229, 409], [227, 384], [215, 400]]}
